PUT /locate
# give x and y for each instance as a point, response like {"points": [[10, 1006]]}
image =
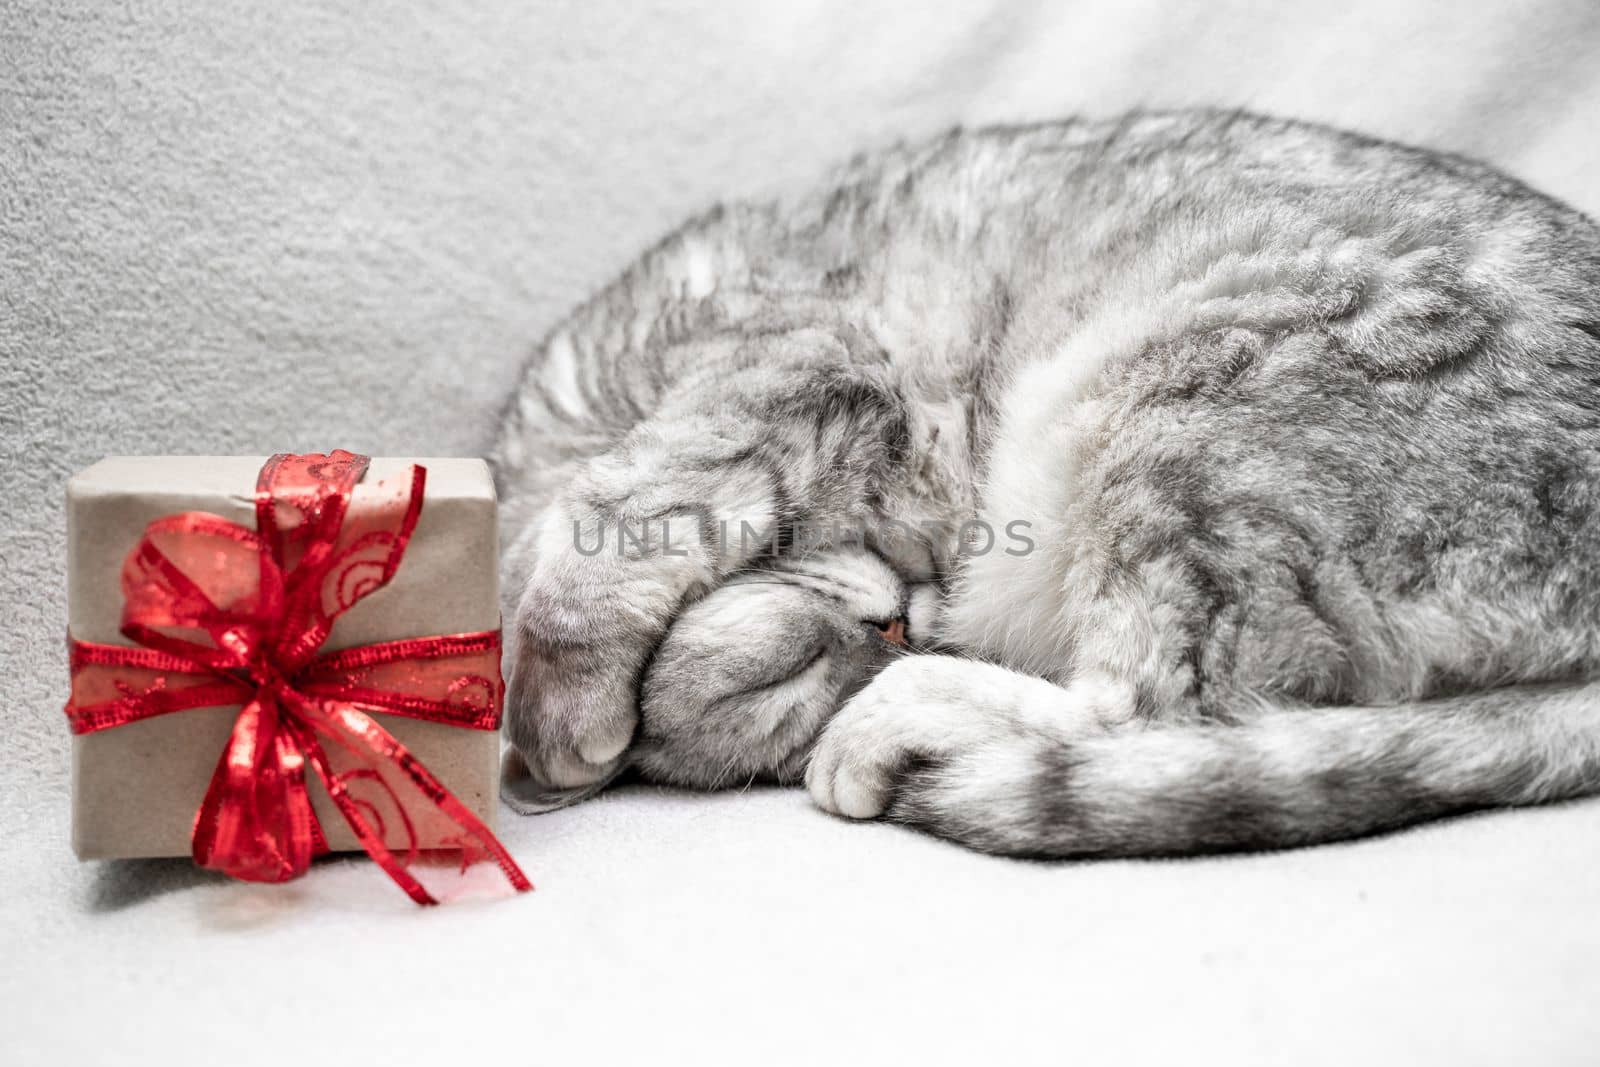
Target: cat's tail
{"points": [[1287, 778]]}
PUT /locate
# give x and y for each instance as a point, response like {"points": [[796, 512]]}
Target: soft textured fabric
{"points": [[240, 228]]}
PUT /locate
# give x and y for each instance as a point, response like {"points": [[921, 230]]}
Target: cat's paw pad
{"points": [[924, 714]]}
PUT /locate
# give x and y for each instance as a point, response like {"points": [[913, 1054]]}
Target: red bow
{"points": [[227, 615]]}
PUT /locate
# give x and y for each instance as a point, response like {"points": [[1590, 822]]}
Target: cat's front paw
{"points": [[570, 706], [941, 724], [570, 712]]}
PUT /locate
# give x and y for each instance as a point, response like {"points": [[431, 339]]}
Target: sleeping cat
{"points": [[1188, 482]]}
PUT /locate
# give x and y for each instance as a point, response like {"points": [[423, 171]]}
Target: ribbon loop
{"points": [[228, 615]]}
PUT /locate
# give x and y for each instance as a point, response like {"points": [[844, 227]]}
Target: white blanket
{"points": [[242, 227]]}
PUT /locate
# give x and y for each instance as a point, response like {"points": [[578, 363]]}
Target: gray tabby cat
{"points": [[1303, 430]]}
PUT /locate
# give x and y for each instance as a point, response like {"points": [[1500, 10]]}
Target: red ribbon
{"points": [[227, 615]]}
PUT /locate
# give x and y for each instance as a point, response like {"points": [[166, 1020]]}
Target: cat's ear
{"points": [[525, 795]]}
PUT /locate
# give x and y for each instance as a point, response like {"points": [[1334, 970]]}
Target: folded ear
{"points": [[747, 677]]}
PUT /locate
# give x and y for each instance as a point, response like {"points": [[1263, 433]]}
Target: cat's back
{"points": [[1238, 218], [1074, 213], [1101, 192]]}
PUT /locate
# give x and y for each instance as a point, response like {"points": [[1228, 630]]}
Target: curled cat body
{"points": [[1236, 481]]}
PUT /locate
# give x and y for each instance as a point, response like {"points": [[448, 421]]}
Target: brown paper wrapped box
{"points": [[136, 788]]}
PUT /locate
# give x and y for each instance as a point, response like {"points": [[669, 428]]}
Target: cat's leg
{"points": [[961, 722], [1011, 764], [725, 470]]}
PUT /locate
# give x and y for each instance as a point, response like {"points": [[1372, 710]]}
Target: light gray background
{"points": [[241, 227]]}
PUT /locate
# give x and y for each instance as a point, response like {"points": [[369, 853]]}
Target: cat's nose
{"points": [[894, 632]]}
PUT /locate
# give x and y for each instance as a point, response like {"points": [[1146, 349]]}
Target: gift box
{"points": [[342, 616]]}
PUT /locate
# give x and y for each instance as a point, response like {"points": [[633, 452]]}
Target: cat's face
{"points": [[747, 676]]}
